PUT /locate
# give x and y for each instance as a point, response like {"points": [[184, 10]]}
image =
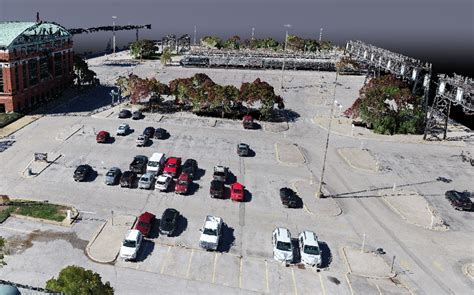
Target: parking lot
{"points": [[244, 262]]}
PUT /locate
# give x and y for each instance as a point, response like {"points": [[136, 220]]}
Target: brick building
{"points": [[36, 62]]}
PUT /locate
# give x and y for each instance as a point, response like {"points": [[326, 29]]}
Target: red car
{"points": [[237, 192], [247, 121], [182, 184], [172, 166], [144, 223], [102, 136]]}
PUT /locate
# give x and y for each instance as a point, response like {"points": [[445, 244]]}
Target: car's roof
{"points": [[169, 212], [132, 235], [172, 160], [123, 125], [217, 183], [128, 172], [146, 217], [102, 132], [283, 234], [83, 166], [183, 176], [163, 177], [237, 185], [309, 238], [212, 221]]}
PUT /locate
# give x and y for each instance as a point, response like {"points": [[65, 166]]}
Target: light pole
{"points": [[253, 33], [319, 193], [284, 56], [113, 17], [195, 31]]}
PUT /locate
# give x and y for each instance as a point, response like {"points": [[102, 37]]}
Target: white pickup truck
{"points": [[210, 233]]}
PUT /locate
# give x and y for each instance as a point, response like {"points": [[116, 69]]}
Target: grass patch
{"points": [[7, 118], [35, 210]]}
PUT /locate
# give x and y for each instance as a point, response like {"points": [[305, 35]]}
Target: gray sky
{"points": [[437, 31]]}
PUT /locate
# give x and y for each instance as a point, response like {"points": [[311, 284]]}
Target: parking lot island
{"points": [[105, 244]]}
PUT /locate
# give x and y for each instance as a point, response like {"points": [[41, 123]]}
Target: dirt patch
{"points": [[18, 244]]}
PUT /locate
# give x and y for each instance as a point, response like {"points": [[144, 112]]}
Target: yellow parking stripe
{"points": [[214, 272], [240, 272], [322, 283], [266, 278], [294, 280], [189, 263]]}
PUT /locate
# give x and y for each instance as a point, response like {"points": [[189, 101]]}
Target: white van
{"points": [[156, 163]]}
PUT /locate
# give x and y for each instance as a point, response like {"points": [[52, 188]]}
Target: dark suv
{"points": [[459, 200], [127, 179], [82, 172], [289, 198], [190, 167], [124, 114], [217, 189], [138, 164], [149, 131]]}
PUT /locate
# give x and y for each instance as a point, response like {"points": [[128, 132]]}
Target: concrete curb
{"points": [[355, 167], [445, 143], [35, 118], [363, 275], [286, 163], [65, 222], [94, 237], [394, 209]]}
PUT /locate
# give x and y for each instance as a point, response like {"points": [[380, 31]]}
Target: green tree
{"points": [[142, 49], [212, 42], [295, 43], [76, 280], [82, 74], [165, 56], [2, 255], [232, 43]]}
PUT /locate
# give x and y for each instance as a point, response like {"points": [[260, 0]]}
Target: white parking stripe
{"points": [[165, 260], [294, 280], [189, 263], [214, 271], [267, 285], [240, 273], [322, 283]]}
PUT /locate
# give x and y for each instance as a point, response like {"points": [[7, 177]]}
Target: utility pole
{"points": [[253, 33], [195, 31], [320, 34], [284, 56], [114, 17], [319, 193]]}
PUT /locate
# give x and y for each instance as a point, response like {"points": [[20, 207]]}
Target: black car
{"points": [[81, 172], [127, 179], [190, 167], [168, 221], [124, 114], [149, 131], [160, 133], [137, 115], [242, 149], [288, 198], [138, 164], [459, 200], [217, 189]]}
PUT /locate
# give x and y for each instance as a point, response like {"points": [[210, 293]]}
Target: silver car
{"points": [[112, 176], [146, 181], [142, 140], [123, 129]]}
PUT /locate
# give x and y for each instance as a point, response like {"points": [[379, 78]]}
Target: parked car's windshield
{"points": [[110, 173], [210, 232], [312, 250], [283, 246], [237, 191], [152, 164], [130, 244]]}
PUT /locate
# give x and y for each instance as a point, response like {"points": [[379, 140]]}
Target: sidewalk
{"points": [[104, 246], [17, 125]]}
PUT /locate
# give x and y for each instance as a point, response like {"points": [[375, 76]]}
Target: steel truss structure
{"points": [[456, 90]]}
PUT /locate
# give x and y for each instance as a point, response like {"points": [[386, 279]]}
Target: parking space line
{"points": [[349, 283], [189, 263], [322, 283], [294, 280], [378, 288], [267, 285], [214, 271], [165, 260], [240, 273]]}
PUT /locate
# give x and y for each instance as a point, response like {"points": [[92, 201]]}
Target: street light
{"points": [[114, 17], [319, 193], [287, 26], [253, 32]]}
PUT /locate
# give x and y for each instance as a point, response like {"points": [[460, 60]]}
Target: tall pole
{"points": [[253, 33], [113, 42], [284, 57], [195, 31], [319, 193], [320, 34]]}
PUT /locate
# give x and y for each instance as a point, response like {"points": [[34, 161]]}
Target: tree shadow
{"points": [[326, 255], [181, 226], [146, 249], [285, 115], [227, 239]]}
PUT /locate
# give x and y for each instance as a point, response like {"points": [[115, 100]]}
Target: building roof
{"points": [[9, 31]]}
